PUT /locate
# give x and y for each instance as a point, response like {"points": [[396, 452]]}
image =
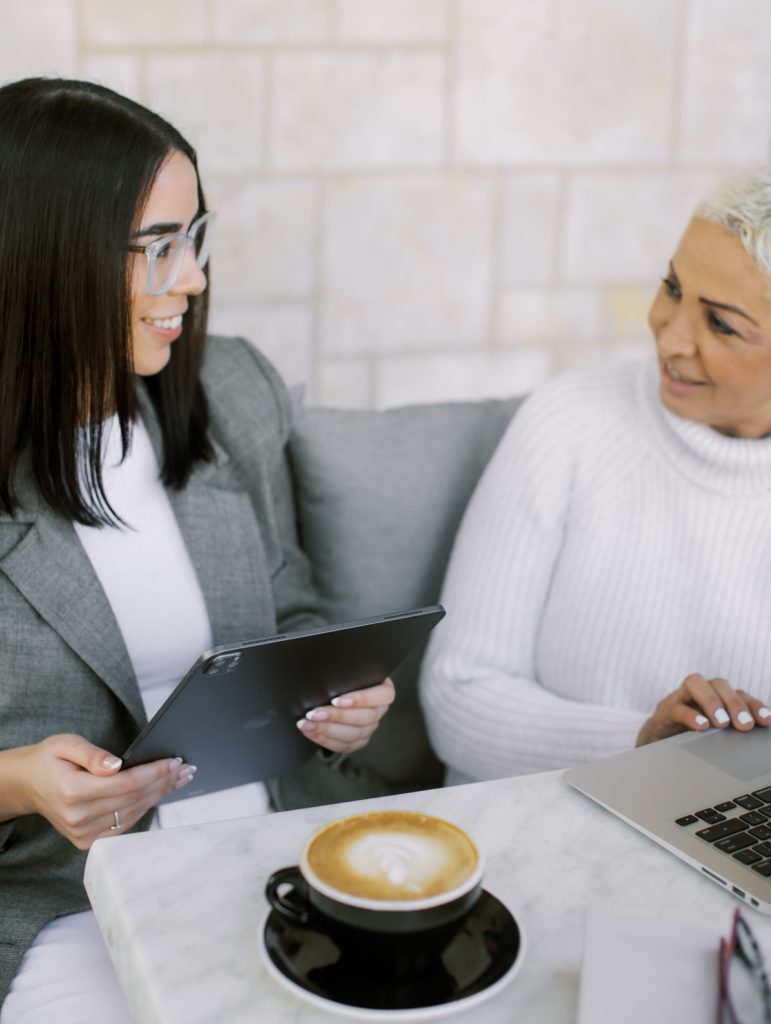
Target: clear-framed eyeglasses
{"points": [[165, 255], [744, 994]]}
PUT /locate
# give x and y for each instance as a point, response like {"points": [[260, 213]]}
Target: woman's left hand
{"points": [[699, 703], [347, 724]]}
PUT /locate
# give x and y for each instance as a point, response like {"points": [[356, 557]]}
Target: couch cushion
{"points": [[379, 499], [380, 496]]}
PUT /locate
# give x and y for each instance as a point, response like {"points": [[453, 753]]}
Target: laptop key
{"points": [[748, 856], [748, 802], [764, 868], [720, 831], [763, 794], [764, 848], [761, 832], [753, 818], [765, 811], [737, 842], [687, 819], [710, 815], [727, 805]]}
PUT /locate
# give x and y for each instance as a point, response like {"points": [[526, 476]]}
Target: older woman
{"points": [[611, 582]]}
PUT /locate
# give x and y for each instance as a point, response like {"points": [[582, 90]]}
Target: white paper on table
{"points": [[638, 970]]}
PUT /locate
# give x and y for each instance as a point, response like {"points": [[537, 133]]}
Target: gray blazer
{"points": [[63, 664]]}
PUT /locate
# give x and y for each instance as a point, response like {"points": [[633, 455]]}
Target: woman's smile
{"points": [[169, 323], [677, 381], [168, 328]]}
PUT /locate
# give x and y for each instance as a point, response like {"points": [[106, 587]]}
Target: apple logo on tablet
{"points": [[260, 721]]}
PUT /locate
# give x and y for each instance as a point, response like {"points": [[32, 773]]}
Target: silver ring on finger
{"points": [[116, 826]]}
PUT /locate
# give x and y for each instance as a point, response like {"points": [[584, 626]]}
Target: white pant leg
{"points": [[66, 977]]}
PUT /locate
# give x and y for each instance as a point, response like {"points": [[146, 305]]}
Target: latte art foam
{"points": [[392, 855], [399, 860]]}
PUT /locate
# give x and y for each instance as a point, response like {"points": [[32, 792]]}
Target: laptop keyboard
{"points": [[740, 827]]}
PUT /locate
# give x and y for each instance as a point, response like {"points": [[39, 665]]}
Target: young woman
{"points": [[143, 513], [610, 583]]}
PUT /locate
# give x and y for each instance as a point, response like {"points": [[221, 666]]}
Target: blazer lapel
{"points": [[51, 569]]}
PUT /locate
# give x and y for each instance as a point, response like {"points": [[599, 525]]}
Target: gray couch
{"points": [[379, 496]]}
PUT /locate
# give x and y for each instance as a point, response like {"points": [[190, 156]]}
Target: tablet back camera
{"points": [[223, 664]]}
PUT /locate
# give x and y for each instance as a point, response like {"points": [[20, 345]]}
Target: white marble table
{"points": [[180, 909]]}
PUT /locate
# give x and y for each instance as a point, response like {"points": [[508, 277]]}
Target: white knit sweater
{"points": [[610, 549]]}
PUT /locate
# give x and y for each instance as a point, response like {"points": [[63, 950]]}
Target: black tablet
{"points": [[234, 714]]}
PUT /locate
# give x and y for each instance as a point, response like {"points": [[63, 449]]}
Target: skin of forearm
{"points": [[14, 799]]}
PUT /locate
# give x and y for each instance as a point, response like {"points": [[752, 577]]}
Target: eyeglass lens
{"points": [[165, 267]]}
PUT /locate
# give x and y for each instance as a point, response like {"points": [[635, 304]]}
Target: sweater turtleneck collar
{"points": [[733, 466]]}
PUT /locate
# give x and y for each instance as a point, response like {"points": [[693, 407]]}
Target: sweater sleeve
{"points": [[488, 715]]}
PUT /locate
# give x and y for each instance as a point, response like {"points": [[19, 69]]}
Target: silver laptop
{"points": [[704, 796]]}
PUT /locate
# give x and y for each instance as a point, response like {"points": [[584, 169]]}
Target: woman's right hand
{"points": [[699, 703], [78, 787]]}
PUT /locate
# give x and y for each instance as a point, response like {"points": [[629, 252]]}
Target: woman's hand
{"points": [[78, 787], [699, 703], [347, 724]]}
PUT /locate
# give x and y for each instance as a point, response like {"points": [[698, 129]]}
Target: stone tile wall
{"points": [[430, 199]]}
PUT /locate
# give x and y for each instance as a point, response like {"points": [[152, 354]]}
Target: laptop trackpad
{"points": [[743, 755]]}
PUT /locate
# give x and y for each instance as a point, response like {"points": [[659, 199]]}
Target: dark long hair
{"points": [[77, 162]]}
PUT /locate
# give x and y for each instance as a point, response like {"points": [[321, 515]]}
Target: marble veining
{"points": [[180, 909]]}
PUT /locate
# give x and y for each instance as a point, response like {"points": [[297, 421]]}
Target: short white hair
{"points": [[742, 205]]}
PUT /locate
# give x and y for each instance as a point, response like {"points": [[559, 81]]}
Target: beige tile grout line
{"points": [[678, 86], [209, 20], [268, 72], [79, 40], [223, 47], [316, 301], [497, 212], [450, 84], [560, 222]]}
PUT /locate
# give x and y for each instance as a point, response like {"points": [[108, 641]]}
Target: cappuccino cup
{"points": [[391, 888]]}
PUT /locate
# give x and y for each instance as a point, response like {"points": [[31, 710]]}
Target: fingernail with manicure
{"points": [[342, 702], [764, 712], [701, 720], [305, 726], [112, 762], [721, 716], [317, 714], [744, 717]]}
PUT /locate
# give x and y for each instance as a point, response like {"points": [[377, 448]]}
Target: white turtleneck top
{"points": [[610, 549]]}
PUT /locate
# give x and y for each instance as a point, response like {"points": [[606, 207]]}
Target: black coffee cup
{"points": [[391, 889]]}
